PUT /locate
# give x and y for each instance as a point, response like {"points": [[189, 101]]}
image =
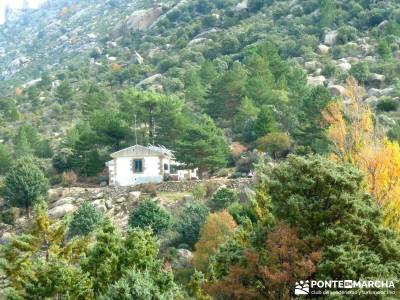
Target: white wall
{"points": [[125, 176]]}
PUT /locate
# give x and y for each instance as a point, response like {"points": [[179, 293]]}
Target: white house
{"points": [[139, 164]]}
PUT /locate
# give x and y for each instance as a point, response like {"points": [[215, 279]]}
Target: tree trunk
{"points": [[202, 170]]}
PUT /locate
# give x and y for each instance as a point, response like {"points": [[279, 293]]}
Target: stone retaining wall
{"points": [[117, 202], [188, 186]]}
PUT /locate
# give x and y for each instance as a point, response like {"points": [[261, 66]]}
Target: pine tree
{"points": [[64, 92], [109, 128], [96, 99], [45, 83], [310, 130], [194, 90], [203, 146], [102, 260], [22, 145], [261, 81], [227, 92], [266, 122], [6, 160], [384, 50], [86, 158], [26, 140], [327, 12], [25, 184], [245, 120], [44, 149], [157, 118], [208, 73]]}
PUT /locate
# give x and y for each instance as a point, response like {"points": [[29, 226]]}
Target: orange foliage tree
{"points": [[217, 230], [289, 259], [19, 91], [357, 140], [115, 67]]}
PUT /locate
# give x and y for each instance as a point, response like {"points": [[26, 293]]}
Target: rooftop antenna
{"points": [[154, 130], [135, 131]]}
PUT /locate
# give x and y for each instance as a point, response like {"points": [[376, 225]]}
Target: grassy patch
{"points": [[171, 197]]}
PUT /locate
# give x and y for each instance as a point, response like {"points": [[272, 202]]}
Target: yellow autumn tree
{"points": [[381, 164], [218, 229], [357, 140]]}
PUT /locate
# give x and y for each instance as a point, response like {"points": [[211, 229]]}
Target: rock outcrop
{"points": [[149, 80], [323, 49], [316, 81], [330, 38], [62, 210], [140, 20], [337, 90], [344, 66]]}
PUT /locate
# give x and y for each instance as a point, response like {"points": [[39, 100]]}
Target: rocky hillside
{"points": [[63, 61], [84, 40], [62, 33]]}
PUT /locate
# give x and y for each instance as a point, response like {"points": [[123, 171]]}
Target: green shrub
{"points": [[199, 192], [277, 144], [190, 222], [43, 149], [144, 284], [329, 70], [9, 216], [224, 172], [243, 165], [387, 104], [84, 220], [222, 198], [361, 72], [238, 211], [346, 34], [255, 5], [211, 187], [394, 133], [148, 213], [62, 160]]}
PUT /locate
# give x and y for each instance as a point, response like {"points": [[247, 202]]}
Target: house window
{"points": [[137, 166], [166, 167]]}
